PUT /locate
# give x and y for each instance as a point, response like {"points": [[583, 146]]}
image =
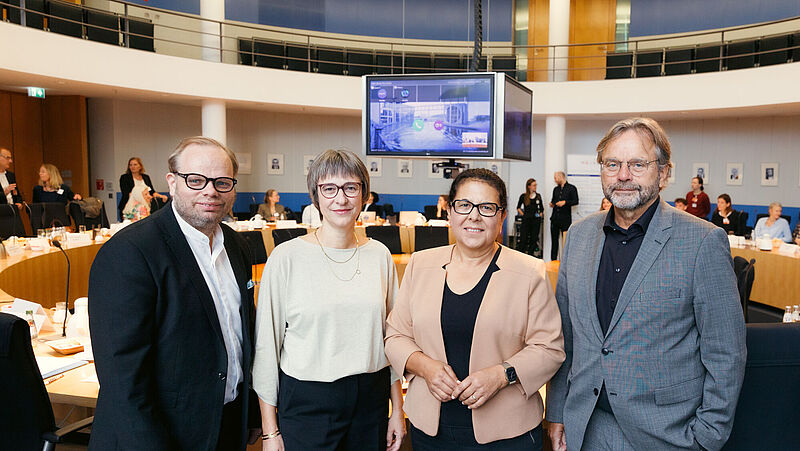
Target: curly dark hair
{"points": [[481, 175]]}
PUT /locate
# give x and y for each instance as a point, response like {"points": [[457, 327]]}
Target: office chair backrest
{"points": [[281, 235], [428, 237], [388, 235], [764, 215], [22, 391], [10, 221], [255, 242], [767, 406]]}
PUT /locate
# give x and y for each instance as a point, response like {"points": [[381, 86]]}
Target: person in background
{"points": [[680, 203], [653, 326], [171, 317], [372, 203], [271, 210], [137, 190], [8, 181], [311, 216], [773, 225], [796, 234], [320, 369], [725, 216], [565, 196], [605, 204], [698, 203], [441, 207], [51, 187], [531, 208], [476, 331]]}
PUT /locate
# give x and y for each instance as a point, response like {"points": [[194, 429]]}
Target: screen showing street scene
{"points": [[438, 116]]}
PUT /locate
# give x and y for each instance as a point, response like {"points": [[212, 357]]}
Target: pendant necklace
{"points": [[328, 260]]}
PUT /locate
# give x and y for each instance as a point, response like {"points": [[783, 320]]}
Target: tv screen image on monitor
{"points": [[430, 116]]}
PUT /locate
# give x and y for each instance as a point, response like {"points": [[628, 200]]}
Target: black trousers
{"points": [[555, 235], [230, 431], [529, 235], [463, 439], [351, 413]]}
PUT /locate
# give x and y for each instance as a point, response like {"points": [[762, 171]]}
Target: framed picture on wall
{"points": [[307, 160], [769, 174], [405, 168], [701, 170], [374, 166], [734, 173], [245, 160], [434, 172], [275, 163], [495, 166]]}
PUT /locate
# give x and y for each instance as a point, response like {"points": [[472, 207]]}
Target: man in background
{"points": [[8, 181], [172, 316], [565, 196], [653, 329]]}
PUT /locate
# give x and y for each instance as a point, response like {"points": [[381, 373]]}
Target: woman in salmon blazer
{"points": [[476, 331]]}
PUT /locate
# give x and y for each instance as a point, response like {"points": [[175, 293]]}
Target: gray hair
{"points": [[172, 161], [647, 129], [335, 162]]}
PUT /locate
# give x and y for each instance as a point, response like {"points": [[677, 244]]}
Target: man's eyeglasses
{"points": [[331, 190], [465, 207], [199, 181], [635, 167]]}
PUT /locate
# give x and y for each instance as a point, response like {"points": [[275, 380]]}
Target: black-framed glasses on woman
{"points": [[199, 181], [465, 207], [331, 190]]}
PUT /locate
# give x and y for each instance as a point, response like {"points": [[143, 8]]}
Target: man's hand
{"points": [[561, 203], [557, 437], [9, 188], [481, 386]]}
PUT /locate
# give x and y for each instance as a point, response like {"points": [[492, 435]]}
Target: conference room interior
{"points": [[130, 79]]}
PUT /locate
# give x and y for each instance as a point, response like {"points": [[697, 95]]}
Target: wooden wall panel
{"points": [[591, 21], [538, 34], [64, 139], [26, 123], [6, 136]]}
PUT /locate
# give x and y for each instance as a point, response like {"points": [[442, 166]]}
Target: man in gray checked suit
{"points": [[653, 328]]}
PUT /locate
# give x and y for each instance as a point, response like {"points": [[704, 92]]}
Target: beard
{"points": [[642, 195]]}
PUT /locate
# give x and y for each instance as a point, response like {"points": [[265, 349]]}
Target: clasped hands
{"points": [[474, 391]]}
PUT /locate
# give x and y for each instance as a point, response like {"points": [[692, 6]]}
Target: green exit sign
{"points": [[36, 92]]}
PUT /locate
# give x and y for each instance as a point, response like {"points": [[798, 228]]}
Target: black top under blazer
{"points": [[126, 186], [158, 347]]}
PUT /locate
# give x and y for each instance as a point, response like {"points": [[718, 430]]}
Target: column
{"points": [[555, 159], [214, 11], [214, 120], [558, 34]]}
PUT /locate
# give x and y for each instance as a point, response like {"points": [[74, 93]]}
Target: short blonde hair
{"points": [[172, 161], [54, 173], [336, 162]]}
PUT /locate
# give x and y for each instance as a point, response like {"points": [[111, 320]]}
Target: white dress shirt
{"points": [[221, 281], [3, 184], [311, 216]]}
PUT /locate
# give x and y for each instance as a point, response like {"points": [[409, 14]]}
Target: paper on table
{"points": [[91, 379], [50, 366], [20, 306]]}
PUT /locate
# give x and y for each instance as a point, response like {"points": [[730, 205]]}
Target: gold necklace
{"points": [[329, 259]]}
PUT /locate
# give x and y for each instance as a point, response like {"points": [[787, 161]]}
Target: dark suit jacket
{"points": [[126, 186], [159, 351], [14, 194], [734, 220], [562, 216]]}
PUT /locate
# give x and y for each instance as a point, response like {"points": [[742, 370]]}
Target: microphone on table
{"points": [[57, 244]]}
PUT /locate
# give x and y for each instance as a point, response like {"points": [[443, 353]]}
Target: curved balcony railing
{"points": [[179, 34]]}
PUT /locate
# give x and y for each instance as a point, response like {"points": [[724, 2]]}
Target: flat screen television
{"points": [[446, 116]]}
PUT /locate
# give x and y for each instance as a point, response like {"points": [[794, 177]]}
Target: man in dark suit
{"points": [[565, 196], [8, 181], [171, 314]]}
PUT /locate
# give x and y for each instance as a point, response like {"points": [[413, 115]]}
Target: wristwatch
{"points": [[511, 373]]}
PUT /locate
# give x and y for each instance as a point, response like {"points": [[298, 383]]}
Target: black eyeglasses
{"points": [[198, 182], [331, 190], [465, 207]]}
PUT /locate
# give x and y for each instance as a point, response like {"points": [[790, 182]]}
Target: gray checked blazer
{"points": [[674, 354]]}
